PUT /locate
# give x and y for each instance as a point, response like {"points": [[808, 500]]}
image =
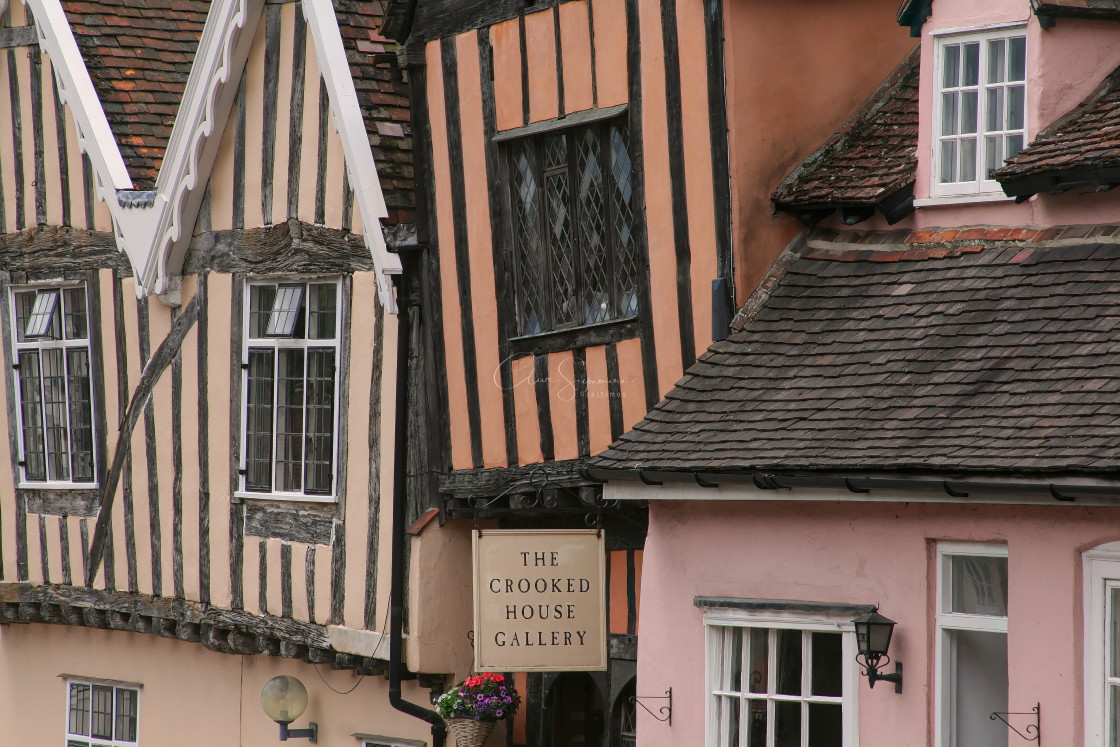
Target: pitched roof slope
{"points": [[139, 54], [980, 350], [1078, 149], [871, 158], [383, 98]]}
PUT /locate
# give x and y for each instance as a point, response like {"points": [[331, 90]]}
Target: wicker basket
{"points": [[470, 733]]}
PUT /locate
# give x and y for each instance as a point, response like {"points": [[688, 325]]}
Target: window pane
{"points": [[994, 120], [1014, 144], [102, 725], [528, 242], [979, 685], [951, 70], [43, 321], [1018, 58], [1114, 716], [563, 268], [997, 60], [79, 709], [971, 64], [993, 154], [76, 325], [126, 714], [55, 408], [1114, 632], [31, 412], [760, 660], [627, 255], [727, 719], [322, 311], [789, 662], [591, 220], [289, 420], [979, 585], [757, 725], [287, 312], [948, 161], [730, 676], [24, 301], [969, 111], [787, 726], [260, 308], [949, 113], [1015, 107], [320, 421], [828, 665], [258, 421], [826, 725], [81, 417], [968, 160]]}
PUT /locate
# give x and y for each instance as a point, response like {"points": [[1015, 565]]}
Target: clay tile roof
{"points": [[1081, 147], [139, 54], [383, 97], [871, 158], [1000, 357]]}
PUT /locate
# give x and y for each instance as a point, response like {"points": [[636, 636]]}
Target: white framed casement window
{"points": [[971, 644], [52, 360], [290, 392], [1102, 645], [979, 109], [778, 679], [100, 714], [368, 740]]}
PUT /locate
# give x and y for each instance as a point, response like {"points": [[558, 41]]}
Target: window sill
{"points": [[945, 200], [242, 495], [563, 340]]}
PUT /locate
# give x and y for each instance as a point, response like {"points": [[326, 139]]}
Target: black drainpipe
{"points": [[400, 516]]}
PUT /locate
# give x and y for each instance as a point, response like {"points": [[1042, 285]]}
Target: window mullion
{"points": [[275, 418], [303, 424]]}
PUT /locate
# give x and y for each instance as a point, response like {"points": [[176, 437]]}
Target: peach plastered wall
{"points": [[867, 553], [188, 695], [796, 71]]}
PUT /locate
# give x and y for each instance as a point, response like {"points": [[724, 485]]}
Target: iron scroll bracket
{"points": [[665, 711], [1033, 731]]}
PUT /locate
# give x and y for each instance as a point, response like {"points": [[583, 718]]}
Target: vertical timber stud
{"points": [[462, 248], [271, 92], [10, 402], [237, 508], [127, 496], [717, 128], [36, 56], [503, 274], [559, 61], [17, 136], [150, 454], [373, 528], [203, 445], [645, 301], [677, 184], [295, 136], [239, 157]]}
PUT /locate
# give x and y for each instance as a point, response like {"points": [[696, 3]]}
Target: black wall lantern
{"points": [[873, 639]]}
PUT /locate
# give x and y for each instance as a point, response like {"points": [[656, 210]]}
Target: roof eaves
{"points": [[1049, 12], [913, 13]]}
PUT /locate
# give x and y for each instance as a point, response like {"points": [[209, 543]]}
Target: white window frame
{"points": [[372, 740], [281, 343], [1101, 567], [86, 739], [40, 345], [985, 189], [948, 621], [803, 621]]}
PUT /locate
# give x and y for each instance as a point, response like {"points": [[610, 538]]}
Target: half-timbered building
{"points": [[593, 181], [197, 206]]}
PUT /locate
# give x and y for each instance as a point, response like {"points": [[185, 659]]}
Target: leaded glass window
{"points": [[101, 715], [575, 249], [291, 389], [52, 361]]}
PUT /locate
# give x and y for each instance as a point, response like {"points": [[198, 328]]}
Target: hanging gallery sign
{"points": [[539, 600]]}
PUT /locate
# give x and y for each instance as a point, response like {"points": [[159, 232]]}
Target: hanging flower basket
{"points": [[470, 733], [474, 706]]}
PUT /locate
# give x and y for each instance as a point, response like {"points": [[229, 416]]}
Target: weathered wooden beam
{"points": [[469, 483], [313, 525], [289, 247], [18, 36]]}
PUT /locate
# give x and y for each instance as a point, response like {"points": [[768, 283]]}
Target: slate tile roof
{"points": [[975, 350], [139, 54], [871, 158], [1076, 148]]}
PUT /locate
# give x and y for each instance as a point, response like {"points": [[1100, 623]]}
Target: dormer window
{"points": [[980, 109]]}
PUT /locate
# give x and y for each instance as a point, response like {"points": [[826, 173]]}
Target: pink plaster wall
{"points": [[867, 553], [189, 695]]}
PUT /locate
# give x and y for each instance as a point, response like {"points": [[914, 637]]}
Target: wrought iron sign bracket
{"points": [[1033, 731], [665, 711]]}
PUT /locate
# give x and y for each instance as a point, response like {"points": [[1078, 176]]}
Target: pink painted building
{"points": [[916, 414]]}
